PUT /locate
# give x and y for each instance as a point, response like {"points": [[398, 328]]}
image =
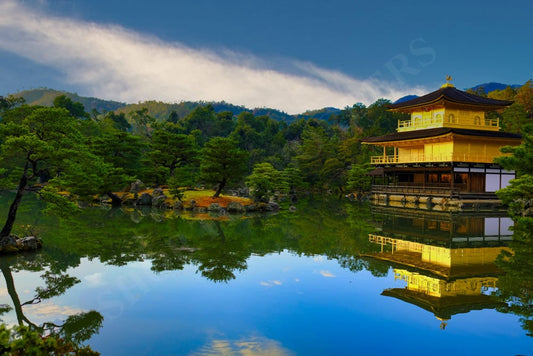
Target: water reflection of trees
{"points": [[219, 249], [515, 287], [77, 328]]}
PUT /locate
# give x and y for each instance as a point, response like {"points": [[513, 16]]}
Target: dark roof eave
{"points": [[440, 131], [452, 95]]}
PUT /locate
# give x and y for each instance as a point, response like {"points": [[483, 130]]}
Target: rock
{"points": [[250, 208], [234, 207], [11, 245], [214, 207], [272, 206], [243, 192], [159, 201], [29, 243], [157, 217], [132, 201], [136, 216], [137, 186], [292, 208], [178, 205], [157, 192], [192, 204], [145, 199], [199, 209]]}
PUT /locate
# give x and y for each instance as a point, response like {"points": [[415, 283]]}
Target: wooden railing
{"points": [[415, 190], [427, 123], [421, 158], [434, 191]]}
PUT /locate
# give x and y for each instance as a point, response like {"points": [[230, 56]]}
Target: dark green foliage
{"points": [[170, 151], [358, 179], [315, 149], [222, 163], [116, 121], [42, 144], [516, 286], [265, 180], [22, 341], [74, 108]]}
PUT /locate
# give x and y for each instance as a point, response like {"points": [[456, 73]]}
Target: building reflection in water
{"points": [[447, 260]]}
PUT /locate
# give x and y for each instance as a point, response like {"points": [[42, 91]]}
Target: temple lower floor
{"points": [[443, 187], [472, 178]]}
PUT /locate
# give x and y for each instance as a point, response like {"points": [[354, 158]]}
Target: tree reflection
{"points": [[515, 288], [76, 328], [219, 257]]}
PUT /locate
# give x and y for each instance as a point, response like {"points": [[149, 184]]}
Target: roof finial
{"points": [[448, 84]]}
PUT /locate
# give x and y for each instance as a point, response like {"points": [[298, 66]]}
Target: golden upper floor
{"points": [[449, 107], [442, 117]]}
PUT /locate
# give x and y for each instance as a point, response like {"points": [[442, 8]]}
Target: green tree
{"points": [[358, 179], [170, 151], [264, 180], [117, 121], [516, 286], [75, 109], [122, 153], [293, 179], [39, 143], [222, 163], [333, 175], [9, 102], [142, 122], [315, 149]]}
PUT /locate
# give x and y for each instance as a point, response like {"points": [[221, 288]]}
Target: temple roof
{"points": [[445, 307], [410, 135], [450, 94]]}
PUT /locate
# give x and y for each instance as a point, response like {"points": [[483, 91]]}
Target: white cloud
{"points": [[50, 310], [94, 280], [327, 274], [271, 283], [251, 346], [115, 63]]}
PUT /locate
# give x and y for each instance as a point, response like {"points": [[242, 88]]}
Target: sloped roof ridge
{"points": [[451, 94]]}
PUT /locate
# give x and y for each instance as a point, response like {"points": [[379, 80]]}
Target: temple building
{"points": [[446, 150]]}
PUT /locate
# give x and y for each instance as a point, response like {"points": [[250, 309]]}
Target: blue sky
{"points": [[289, 55]]}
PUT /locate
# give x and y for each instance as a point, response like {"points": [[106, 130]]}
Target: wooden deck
{"points": [[434, 198]]}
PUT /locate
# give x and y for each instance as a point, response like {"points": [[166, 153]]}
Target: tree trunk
{"points": [[8, 226], [116, 201], [10, 285], [221, 186]]}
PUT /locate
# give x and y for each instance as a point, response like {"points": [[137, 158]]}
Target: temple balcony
{"points": [[474, 123], [421, 158]]}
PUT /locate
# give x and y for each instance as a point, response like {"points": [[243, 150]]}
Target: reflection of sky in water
{"points": [[282, 304]]}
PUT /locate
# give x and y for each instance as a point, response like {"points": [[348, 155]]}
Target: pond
{"points": [[331, 278]]}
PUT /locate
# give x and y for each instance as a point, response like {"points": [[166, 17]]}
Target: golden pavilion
{"points": [[444, 154]]}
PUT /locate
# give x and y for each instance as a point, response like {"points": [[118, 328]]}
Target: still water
{"points": [[331, 278]]}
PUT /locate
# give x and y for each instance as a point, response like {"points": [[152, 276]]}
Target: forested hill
{"points": [[160, 110], [45, 97]]}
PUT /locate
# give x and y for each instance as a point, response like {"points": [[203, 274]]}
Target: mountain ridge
{"points": [[160, 110]]}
